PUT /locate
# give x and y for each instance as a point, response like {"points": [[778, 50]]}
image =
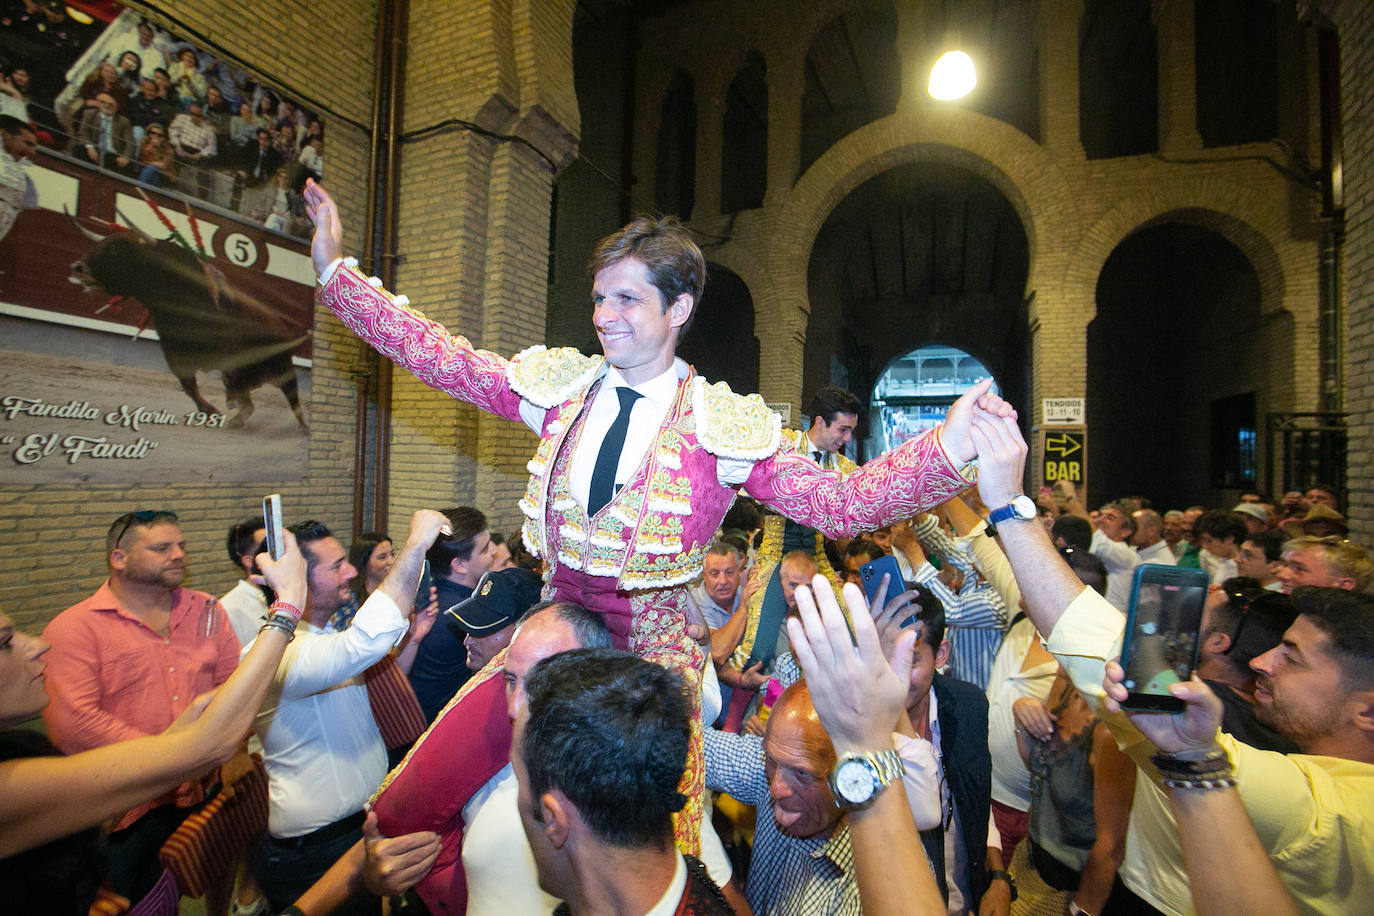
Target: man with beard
{"points": [[1311, 811], [126, 662]]}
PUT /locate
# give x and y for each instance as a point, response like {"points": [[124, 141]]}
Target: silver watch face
{"points": [[855, 781], [1023, 507]]}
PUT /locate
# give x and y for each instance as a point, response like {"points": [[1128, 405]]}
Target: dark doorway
{"points": [[1179, 369], [721, 342]]}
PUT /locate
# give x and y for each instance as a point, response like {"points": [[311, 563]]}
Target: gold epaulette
{"points": [[547, 378], [730, 425]]}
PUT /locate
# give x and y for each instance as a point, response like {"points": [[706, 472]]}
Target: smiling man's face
{"points": [[638, 335]]}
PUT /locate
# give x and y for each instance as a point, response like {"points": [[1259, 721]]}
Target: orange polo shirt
{"points": [[112, 678]]}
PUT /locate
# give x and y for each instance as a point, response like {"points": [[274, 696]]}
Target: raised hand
{"points": [[1001, 457], [287, 576], [327, 244], [426, 525], [858, 693], [955, 435]]}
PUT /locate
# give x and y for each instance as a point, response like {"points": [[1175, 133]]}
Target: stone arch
{"points": [[1178, 309], [852, 75], [877, 441], [1025, 172], [741, 262], [1236, 213]]}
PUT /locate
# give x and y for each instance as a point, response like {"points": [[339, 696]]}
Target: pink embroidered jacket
{"points": [[655, 532]]}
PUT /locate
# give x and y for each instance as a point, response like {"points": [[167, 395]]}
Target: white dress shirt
{"points": [[1121, 560], [1218, 569], [246, 607], [321, 748], [1009, 681], [646, 417], [1158, 552]]}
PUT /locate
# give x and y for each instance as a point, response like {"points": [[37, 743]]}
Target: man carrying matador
{"points": [[639, 457]]}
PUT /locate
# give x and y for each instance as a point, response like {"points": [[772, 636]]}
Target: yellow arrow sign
{"points": [[1062, 445]]}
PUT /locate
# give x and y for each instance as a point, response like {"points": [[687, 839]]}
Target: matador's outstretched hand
{"points": [[956, 434], [327, 245]]}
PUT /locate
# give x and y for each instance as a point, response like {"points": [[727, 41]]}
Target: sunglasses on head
{"points": [[141, 517]]}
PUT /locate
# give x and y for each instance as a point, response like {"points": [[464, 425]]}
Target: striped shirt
{"points": [[975, 616], [787, 876]]}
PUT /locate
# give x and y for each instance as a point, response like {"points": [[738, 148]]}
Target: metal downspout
{"points": [[367, 362], [386, 246]]}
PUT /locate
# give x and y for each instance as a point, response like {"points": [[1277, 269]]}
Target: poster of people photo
{"points": [[156, 292]]}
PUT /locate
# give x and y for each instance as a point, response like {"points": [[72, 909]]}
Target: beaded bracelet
{"points": [[1223, 780], [1213, 763], [282, 607]]}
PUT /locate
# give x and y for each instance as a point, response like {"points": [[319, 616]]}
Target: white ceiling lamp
{"points": [[952, 77]]}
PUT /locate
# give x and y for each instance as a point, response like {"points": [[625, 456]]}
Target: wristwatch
{"points": [[1021, 507], [996, 874], [856, 779]]}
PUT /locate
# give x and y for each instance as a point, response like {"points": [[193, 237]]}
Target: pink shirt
{"points": [[112, 678]]}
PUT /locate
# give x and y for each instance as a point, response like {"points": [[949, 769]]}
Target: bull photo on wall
{"points": [[156, 292]]}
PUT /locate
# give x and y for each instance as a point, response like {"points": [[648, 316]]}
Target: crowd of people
{"points": [[678, 635], [137, 101], [1028, 791]]}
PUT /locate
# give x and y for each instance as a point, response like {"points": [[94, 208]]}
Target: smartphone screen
{"points": [[872, 576], [1161, 643], [271, 515]]}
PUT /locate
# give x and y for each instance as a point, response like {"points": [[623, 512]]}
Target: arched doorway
{"points": [[921, 253], [915, 391], [1182, 367]]}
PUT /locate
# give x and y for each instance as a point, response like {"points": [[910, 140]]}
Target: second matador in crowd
{"points": [[639, 457]]}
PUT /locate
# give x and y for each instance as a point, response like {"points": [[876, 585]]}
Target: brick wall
{"points": [[473, 233], [1354, 21], [52, 537]]}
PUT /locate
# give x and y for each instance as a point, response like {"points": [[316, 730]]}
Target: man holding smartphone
{"points": [[1311, 812], [129, 660], [323, 753]]}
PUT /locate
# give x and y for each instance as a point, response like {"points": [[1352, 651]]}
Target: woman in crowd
{"points": [[105, 78], [1081, 787], [243, 127], [45, 797], [371, 555], [265, 112], [157, 157], [187, 78], [130, 66]]}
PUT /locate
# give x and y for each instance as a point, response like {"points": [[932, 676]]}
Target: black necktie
{"points": [[820, 458], [608, 459]]}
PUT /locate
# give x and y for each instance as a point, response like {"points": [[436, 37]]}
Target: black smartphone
{"points": [[871, 574], [271, 516], [1161, 642], [422, 590]]}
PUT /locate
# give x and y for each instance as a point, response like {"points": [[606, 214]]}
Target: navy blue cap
{"points": [[499, 600]]}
